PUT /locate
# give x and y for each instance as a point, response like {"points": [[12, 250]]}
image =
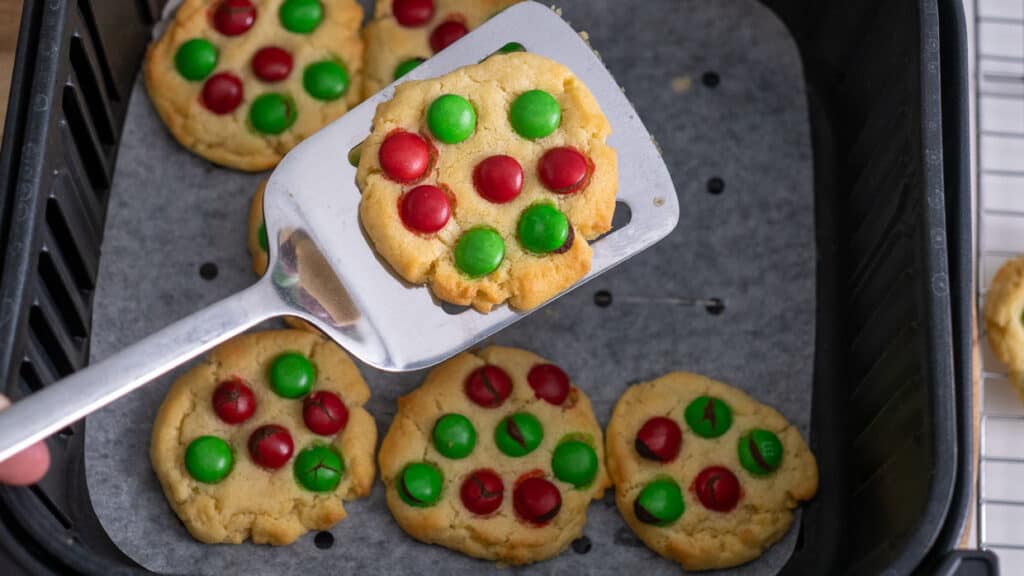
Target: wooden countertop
{"points": [[10, 20]]}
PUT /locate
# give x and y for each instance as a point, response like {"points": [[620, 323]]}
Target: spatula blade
{"points": [[346, 290]]}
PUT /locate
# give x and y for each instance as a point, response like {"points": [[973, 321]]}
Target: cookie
{"points": [[404, 33], [256, 236], [265, 439], [1004, 319], [240, 82], [704, 474], [487, 183], [497, 455], [256, 242]]}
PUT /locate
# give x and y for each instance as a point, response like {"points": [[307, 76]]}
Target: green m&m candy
{"points": [[272, 113], [261, 237], [407, 66], [512, 47], [454, 436], [543, 228], [301, 16], [325, 80], [195, 59], [208, 459], [319, 468], [708, 417], [535, 114], [760, 452], [660, 503], [292, 375], [508, 49], [574, 462], [519, 434], [419, 484], [451, 118], [479, 252]]}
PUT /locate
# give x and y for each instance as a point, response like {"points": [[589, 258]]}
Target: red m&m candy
{"points": [[488, 386], [234, 17], [536, 500], [498, 178], [271, 64], [446, 34], [271, 446], [717, 488], [563, 170], [404, 156], [411, 13], [549, 383], [482, 492], [425, 209], [324, 413], [222, 93], [233, 401], [659, 439]]}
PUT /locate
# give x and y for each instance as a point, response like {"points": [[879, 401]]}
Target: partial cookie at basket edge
{"points": [[1004, 319]]}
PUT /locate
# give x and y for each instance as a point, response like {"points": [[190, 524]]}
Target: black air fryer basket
{"points": [[891, 420]]}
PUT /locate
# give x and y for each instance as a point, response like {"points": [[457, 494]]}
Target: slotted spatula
{"points": [[322, 268]]}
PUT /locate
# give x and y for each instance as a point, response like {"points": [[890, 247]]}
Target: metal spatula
{"points": [[323, 269]]}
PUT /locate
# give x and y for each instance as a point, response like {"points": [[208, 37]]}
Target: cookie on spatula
{"points": [[704, 474], [487, 183], [240, 82]]}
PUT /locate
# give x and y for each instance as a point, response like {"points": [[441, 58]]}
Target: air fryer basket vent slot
{"points": [[83, 133], [52, 507], [49, 341], [84, 73], [67, 246], [57, 284], [88, 18]]}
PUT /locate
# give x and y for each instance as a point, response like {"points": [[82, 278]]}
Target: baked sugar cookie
{"points": [[256, 241], [497, 455], [487, 183], [265, 439], [704, 474], [1004, 319], [240, 82], [404, 33], [256, 236]]}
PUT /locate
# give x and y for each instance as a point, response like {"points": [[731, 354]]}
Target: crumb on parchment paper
{"points": [[681, 84]]}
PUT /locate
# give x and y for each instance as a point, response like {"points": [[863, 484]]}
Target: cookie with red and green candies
{"points": [[706, 475], [496, 455], [1004, 319], [404, 33], [240, 82], [487, 183], [265, 439]]}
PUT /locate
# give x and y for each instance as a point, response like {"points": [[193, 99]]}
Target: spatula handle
{"points": [[62, 403]]}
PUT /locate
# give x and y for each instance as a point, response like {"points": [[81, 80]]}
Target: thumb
{"points": [[25, 467]]}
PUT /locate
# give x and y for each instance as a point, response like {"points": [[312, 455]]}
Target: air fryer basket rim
{"points": [[35, 541]]}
